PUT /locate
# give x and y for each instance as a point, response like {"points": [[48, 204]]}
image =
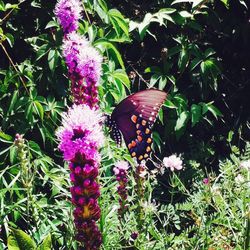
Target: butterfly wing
{"points": [[134, 117]]}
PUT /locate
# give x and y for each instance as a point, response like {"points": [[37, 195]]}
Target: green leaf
{"points": [[157, 140], [118, 21], [39, 109], [169, 104], [230, 136], [46, 244], [103, 5], [153, 69], [122, 76], [29, 112], [181, 124], [160, 115], [34, 147], [10, 39], [42, 51], [243, 3], [19, 240], [195, 114], [143, 26], [51, 24], [182, 120], [195, 62], [13, 154], [5, 137], [102, 43], [215, 111], [2, 6], [153, 80], [13, 102], [183, 60], [53, 59], [162, 82]]}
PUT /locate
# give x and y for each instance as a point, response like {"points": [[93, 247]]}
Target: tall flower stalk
{"points": [[80, 137], [139, 175], [80, 134], [120, 171]]}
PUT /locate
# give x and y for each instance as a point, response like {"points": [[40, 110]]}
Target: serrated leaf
{"points": [[118, 21], [19, 240], [46, 244], [122, 76]]}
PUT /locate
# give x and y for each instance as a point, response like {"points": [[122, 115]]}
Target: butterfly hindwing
{"points": [[134, 117]]}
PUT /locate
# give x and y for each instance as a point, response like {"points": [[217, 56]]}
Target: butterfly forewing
{"points": [[134, 117]]}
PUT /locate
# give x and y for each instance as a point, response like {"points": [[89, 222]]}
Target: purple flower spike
{"points": [[80, 136], [120, 171], [68, 13], [84, 65], [80, 117]]}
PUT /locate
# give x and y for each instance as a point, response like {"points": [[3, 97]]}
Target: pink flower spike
{"points": [[80, 133]]}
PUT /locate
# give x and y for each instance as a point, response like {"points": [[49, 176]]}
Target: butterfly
{"points": [[134, 118]]}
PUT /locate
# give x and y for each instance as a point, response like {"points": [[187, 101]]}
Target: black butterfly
{"points": [[134, 118]]}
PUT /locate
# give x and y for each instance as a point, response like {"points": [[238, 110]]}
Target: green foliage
{"points": [[197, 52], [20, 240]]}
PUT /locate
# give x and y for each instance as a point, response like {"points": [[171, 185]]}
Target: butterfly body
{"points": [[134, 118]]}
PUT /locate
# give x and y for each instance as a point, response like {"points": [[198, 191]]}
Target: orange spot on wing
{"points": [[145, 156], [134, 118], [133, 154], [138, 132], [143, 122], [133, 144], [148, 149], [147, 131], [139, 138], [129, 146], [149, 140], [140, 157]]}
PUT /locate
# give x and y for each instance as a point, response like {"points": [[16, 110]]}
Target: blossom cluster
{"points": [[80, 136], [68, 12], [84, 66], [173, 162], [120, 171]]}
